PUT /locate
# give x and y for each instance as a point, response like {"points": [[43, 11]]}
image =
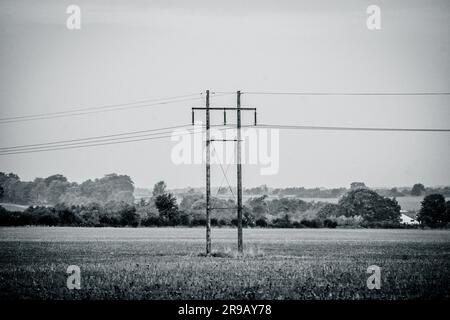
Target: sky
{"points": [[134, 50]]}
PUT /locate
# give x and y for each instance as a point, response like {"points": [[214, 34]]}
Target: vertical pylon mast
{"points": [[208, 178], [239, 173]]}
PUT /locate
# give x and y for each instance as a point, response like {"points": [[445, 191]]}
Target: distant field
{"points": [[164, 263]]}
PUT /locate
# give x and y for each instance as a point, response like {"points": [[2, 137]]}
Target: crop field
{"points": [[167, 263]]}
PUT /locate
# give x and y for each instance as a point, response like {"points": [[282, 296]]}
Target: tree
{"points": [[371, 206], [122, 196], [167, 207], [38, 193], [248, 219], [418, 189], [261, 222], [67, 216], [91, 215], [189, 200], [258, 206], [106, 188], [147, 210], [283, 222], [434, 211], [9, 183], [159, 188], [395, 193], [55, 177], [357, 185], [128, 216], [55, 189], [328, 210], [1, 192]]}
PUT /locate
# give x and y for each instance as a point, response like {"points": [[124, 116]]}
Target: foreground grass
{"points": [[166, 263]]}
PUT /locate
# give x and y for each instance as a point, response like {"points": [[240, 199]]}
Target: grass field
{"points": [[165, 263]]}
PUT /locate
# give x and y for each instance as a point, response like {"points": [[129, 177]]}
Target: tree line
{"points": [[56, 189], [109, 201], [417, 189]]}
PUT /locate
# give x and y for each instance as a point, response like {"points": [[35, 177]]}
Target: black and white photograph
{"points": [[223, 158]]}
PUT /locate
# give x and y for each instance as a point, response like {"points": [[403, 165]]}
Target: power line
{"points": [[102, 140], [62, 146], [90, 145], [86, 142], [90, 138], [349, 93], [333, 128], [125, 135], [106, 108]]}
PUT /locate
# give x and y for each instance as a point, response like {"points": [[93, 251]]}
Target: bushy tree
{"points": [[159, 188], [357, 185], [90, 216], [248, 219], [434, 211], [191, 200], [418, 189], [370, 205], [261, 222], [283, 222], [167, 207], [39, 192], [146, 210], [67, 216], [328, 223], [9, 183], [314, 223], [121, 196], [56, 189], [128, 216], [55, 177], [258, 206], [328, 210]]}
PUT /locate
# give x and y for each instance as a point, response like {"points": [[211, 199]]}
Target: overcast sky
{"points": [[133, 50]]}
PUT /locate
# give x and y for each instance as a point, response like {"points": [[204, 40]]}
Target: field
{"points": [[166, 263]]}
